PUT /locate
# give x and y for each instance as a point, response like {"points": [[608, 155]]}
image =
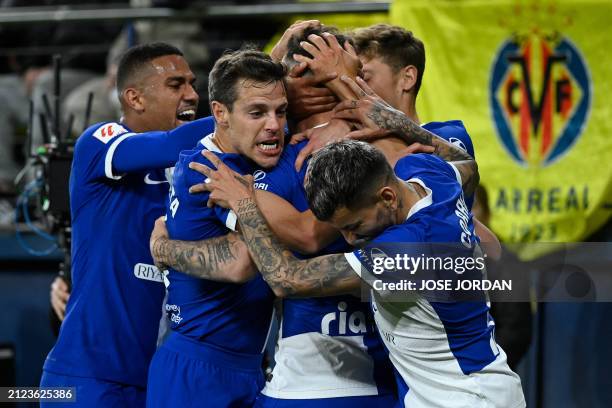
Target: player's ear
{"points": [[221, 113], [388, 197], [133, 99], [408, 78]]}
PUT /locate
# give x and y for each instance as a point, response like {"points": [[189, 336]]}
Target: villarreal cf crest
{"points": [[540, 96]]}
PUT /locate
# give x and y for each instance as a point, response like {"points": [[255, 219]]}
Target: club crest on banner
{"points": [[540, 97]]}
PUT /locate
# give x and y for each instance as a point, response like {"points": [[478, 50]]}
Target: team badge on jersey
{"points": [[540, 95], [107, 131]]}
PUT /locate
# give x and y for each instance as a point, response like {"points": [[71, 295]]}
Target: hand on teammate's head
{"points": [[329, 57], [306, 94], [296, 29]]}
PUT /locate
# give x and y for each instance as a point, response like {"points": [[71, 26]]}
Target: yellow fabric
{"points": [[538, 197]]}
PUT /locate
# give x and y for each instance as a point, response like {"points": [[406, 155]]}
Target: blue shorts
{"points": [[370, 401], [91, 392], [186, 373]]}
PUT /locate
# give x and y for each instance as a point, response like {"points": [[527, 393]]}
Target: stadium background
{"points": [[539, 124]]}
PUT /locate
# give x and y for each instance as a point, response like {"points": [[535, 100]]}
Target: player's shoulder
{"points": [[103, 132], [286, 162], [410, 230], [416, 162], [453, 131]]}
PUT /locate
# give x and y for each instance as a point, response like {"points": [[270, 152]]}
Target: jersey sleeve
{"points": [[454, 132], [95, 149], [422, 165], [152, 150]]}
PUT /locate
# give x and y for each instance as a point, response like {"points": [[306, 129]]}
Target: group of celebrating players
{"points": [[266, 218]]}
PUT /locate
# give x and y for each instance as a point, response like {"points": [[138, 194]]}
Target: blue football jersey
{"points": [[113, 314], [444, 352], [327, 346], [454, 132], [234, 317]]}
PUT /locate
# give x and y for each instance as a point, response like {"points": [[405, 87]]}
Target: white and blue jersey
{"points": [[327, 347], [444, 352], [117, 190]]}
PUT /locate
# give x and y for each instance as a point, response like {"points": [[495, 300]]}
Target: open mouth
{"points": [[268, 146], [186, 115]]}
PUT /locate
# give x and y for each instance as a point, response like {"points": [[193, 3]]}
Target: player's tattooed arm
{"points": [[286, 275], [223, 259], [378, 119]]}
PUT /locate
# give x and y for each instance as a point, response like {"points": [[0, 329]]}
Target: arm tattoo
{"points": [[400, 124], [207, 259], [287, 275], [397, 122]]}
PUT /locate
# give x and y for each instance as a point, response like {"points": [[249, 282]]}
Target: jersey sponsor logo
{"points": [[343, 323], [540, 97], [108, 131], [458, 142], [148, 180], [148, 272], [259, 175]]}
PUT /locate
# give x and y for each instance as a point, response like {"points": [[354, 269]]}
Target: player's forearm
{"points": [[411, 132], [305, 234], [286, 275], [401, 125], [299, 231], [223, 259], [488, 240], [470, 177], [340, 89]]}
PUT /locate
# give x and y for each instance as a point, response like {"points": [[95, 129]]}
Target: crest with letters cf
{"points": [[540, 96]]}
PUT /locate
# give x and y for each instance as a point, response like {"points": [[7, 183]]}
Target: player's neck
{"points": [[407, 104], [221, 139], [313, 120], [392, 147], [135, 125], [410, 194]]}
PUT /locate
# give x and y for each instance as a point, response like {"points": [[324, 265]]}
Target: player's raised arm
{"points": [[157, 149], [378, 119], [286, 275], [300, 231]]}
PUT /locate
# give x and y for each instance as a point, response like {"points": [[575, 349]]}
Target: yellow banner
{"points": [[531, 80]]}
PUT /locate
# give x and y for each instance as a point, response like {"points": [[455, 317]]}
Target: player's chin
{"points": [[266, 159], [267, 156]]}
